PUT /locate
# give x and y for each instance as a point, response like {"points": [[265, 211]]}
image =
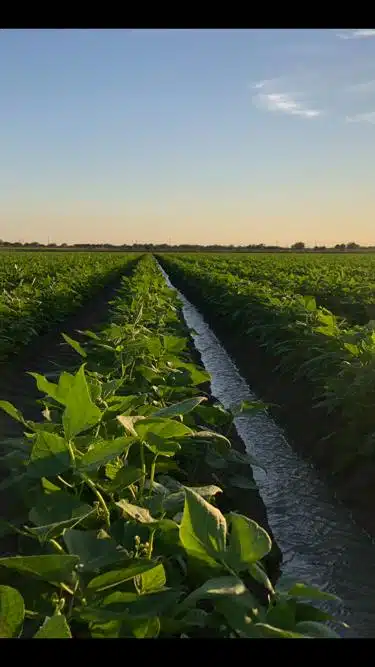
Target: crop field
{"points": [[38, 289], [121, 524], [280, 301]]}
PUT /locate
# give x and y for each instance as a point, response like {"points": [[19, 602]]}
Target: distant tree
{"points": [[340, 246], [352, 246], [299, 245]]}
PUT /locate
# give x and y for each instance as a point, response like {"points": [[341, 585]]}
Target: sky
{"points": [[187, 136]]}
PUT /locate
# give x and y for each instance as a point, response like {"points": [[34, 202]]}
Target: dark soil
{"points": [[306, 427]]}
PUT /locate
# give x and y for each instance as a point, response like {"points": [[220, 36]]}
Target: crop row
{"points": [[343, 284], [118, 522], [306, 341], [37, 290]]}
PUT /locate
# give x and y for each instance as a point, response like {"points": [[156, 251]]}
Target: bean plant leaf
{"points": [[49, 456], [152, 580], [51, 568], [249, 542], [161, 447], [310, 592], [203, 529], [114, 578], [104, 451], [163, 428], [55, 512], [140, 514], [55, 627], [269, 631], [75, 345], [12, 612], [12, 411], [314, 629], [181, 408], [80, 412], [128, 422], [92, 552], [124, 477], [214, 588]]}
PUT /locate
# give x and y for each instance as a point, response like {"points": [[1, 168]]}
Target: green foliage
{"points": [[282, 302], [115, 542]]}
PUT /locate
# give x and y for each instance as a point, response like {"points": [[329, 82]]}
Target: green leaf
{"points": [[161, 447], [146, 605], [282, 614], [80, 412], [12, 612], [93, 553], [49, 456], [52, 568], [309, 302], [128, 422], [140, 514], [56, 507], [249, 542], [258, 573], [314, 629], [146, 628], [181, 408], [310, 592], [117, 577], [197, 375], [174, 501], [245, 459], [124, 477], [58, 392], [55, 512], [174, 344], [217, 440], [203, 529], [75, 345], [163, 428], [55, 627], [241, 482], [250, 406], [12, 411], [237, 615], [306, 612], [104, 451], [152, 580], [214, 588], [270, 632]]}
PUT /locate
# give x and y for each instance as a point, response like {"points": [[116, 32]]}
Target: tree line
{"points": [[166, 247]]}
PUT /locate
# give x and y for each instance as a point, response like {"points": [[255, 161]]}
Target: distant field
{"points": [[314, 315], [38, 289]]}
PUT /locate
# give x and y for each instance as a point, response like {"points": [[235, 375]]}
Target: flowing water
{"points": [[321, 545]]}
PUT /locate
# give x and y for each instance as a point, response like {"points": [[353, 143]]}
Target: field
{"points": [[280, 303], [39, 289], [134, 510]]}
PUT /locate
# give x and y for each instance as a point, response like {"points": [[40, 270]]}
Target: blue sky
{"points": [[187, 136]]}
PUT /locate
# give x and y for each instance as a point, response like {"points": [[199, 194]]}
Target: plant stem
{"points": [[143, 467], [71, 452], [102, 502], [152, 475], [56, 546]]}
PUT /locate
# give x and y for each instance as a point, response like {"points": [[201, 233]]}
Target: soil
{"points": [[306, 427]]}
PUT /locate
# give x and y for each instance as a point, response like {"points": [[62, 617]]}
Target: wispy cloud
{"points": [[359, 33], [368, 117], [281, 101], [363, 87]]}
